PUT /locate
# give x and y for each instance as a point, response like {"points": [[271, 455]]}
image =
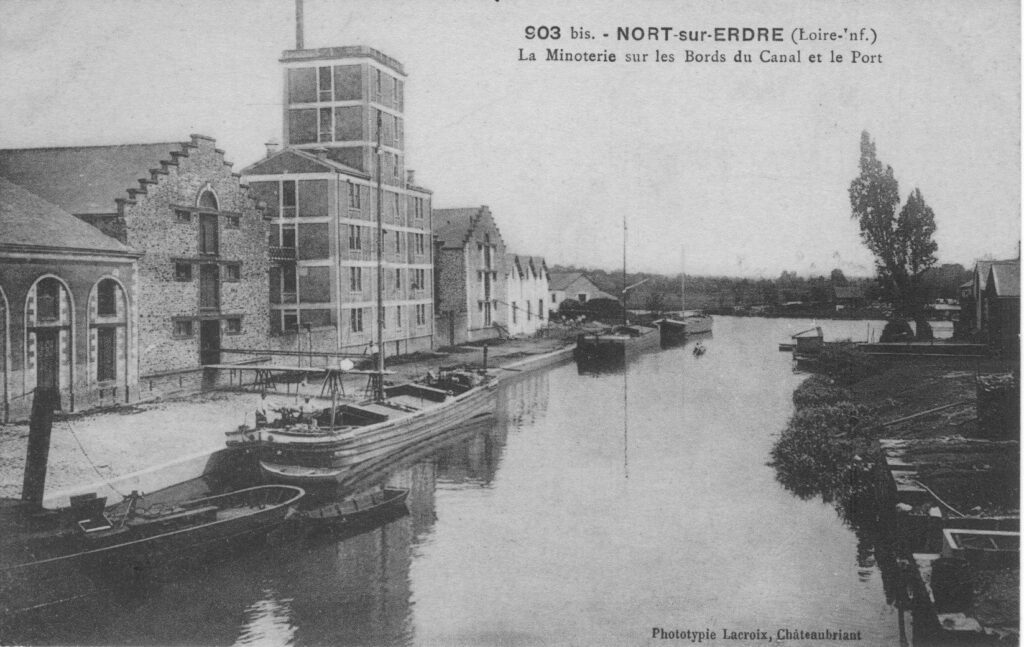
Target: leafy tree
{"points": [[902, 243], [656, 303], [838, 278]]}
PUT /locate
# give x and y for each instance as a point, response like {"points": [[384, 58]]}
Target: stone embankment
{"points": [[155, 444]]}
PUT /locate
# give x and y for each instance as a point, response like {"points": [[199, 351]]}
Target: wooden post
{"points": [[40, 426]]}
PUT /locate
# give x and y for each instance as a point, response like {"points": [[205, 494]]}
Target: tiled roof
{"points": [[982, 269], [452, 226], [27, 220], [1006, 279], [562, 280], [297, 160], [85, 179]]}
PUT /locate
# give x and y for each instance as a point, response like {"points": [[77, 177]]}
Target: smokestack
{"points": [[298, 24], [39, 428]]}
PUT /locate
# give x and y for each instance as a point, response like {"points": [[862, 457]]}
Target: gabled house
{"points": [[847, 296], [526, 278], [1000, 305], [573, 285], [971, 301], [68, 308], [470, 275], [201, 280]]}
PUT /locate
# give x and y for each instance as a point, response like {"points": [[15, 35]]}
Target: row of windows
{"points": [[48, 295], [342, 83], [230, 271], [231, 221], [419, 278], [343, 124], [355, 239], [291, 198], [529, 310], [308, 198], [360, 316], [185, 328]]}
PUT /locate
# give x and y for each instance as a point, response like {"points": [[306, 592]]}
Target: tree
{"points": [[838, 278], [902, 243], [655, 303]]}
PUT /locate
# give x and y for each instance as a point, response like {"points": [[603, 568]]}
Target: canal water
{"points": [[591, 510]]}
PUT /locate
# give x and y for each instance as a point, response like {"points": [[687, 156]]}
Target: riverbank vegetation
{"points": [[826, 448]]}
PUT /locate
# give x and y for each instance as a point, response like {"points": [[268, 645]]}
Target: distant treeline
{"points": [[724, 292]]}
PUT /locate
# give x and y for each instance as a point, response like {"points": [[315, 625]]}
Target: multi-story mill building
{"points": [[321, 194]]}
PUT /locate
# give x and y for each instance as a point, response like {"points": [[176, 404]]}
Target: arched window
{"points": [[106, 298], [207, 200], [48, 299]]}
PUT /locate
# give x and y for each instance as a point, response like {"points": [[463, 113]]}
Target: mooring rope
{"points": [[102, 476]]}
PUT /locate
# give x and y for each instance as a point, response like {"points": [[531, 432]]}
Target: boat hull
{"points": [[328, 457], [125, 553], [597, 347], [677, 329]]}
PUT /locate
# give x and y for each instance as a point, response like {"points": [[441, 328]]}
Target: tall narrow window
{"points": [[208, 234], [353, 195], [48, 300], [326, 88], [106, 354], [209, 287], [106, 298], [288, 199], [289, 283], [288, 236], [326, 125]]}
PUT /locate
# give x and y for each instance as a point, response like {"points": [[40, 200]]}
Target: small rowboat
{"points": [[357, 509]]}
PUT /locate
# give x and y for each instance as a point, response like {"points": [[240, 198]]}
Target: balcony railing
{"points": [[278, 253]]}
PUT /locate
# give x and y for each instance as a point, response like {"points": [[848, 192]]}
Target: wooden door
{"points": [[48, 359], [209, 341]]}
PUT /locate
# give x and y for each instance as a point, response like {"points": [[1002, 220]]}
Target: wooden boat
{"points": [[678, 327], [358, 509], [322, 448], [687, 324], [616, 343], [42, 546], [808, 345]]}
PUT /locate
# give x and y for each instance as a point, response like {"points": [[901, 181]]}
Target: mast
{"points": [[378, 387], [682, 283], [624, 288]]}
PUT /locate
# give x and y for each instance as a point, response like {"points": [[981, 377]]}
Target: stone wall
{"points": [[156, 224]]}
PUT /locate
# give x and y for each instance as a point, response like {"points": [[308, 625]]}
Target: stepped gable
{"points": [[453, 227], [94, 180]]}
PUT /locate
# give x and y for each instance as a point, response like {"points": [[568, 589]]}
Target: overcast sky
{"points": [[745, 167]]}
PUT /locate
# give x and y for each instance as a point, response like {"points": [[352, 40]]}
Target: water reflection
{"points": [[523, 528]]}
